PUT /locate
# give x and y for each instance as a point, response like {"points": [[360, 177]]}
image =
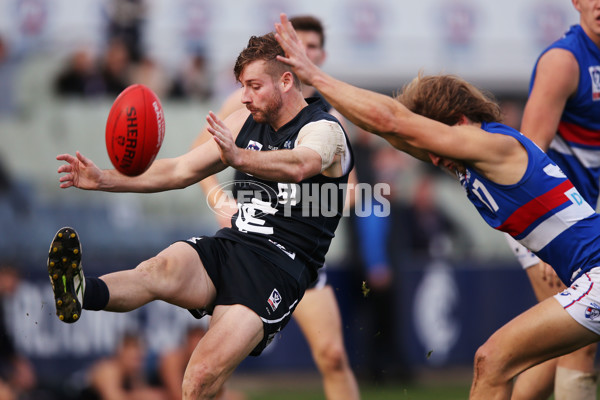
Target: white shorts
{"points": [[582, 300], [524, 256]]}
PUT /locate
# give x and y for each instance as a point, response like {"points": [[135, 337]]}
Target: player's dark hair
{"points": [[265, 48], [308, 23], [446, 98]]}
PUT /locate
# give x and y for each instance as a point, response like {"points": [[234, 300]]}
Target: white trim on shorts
{"points": [[321, 281], [524, 256], [582, 300]]}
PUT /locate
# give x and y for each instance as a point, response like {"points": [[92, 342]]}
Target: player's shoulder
{"points": [[559, 60]]}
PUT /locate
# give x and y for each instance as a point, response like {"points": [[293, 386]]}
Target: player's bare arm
{"points": [[164, 174], [394, 122], [557, 78], [279, 165]]}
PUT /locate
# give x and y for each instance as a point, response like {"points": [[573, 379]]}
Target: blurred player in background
{"points": [[122, 376], [249, 277], [562, 116], [318, 314], [514, 186]]}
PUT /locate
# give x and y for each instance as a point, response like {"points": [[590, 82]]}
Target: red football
{"points": [[135, 129]]}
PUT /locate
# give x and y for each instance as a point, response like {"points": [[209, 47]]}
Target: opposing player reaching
{"points": [[251, 276], [562, 116], [318, 314], [515, 187]]}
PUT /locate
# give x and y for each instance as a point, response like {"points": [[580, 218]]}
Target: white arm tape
{"points": [[326, 138]]}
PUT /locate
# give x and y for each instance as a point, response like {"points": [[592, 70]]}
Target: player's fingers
{"points": [[218, 121], [287, 25], [213, 131], [65, 168], [66, 178], [65, 157], [210, 118], [84, 160], [285, 60]]}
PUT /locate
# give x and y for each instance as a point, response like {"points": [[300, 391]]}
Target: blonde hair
{"points": [[446, 98]]}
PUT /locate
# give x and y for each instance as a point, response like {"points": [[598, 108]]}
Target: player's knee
{"points": [[484, 363], [156, 273], [332, 358], [200, 382]]}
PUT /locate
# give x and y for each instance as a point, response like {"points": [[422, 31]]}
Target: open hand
{"points": [[79, 171], [230, 153], [295, 53]]}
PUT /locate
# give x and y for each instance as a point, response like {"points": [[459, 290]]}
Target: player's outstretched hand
{"points": [[79, 171], [230, 153], [295, 54]]}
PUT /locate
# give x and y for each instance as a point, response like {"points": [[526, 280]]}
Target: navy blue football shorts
{"points": [[242, 276]]}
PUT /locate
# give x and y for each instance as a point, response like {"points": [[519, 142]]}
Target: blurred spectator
{"points": [[173, 363], [431, 232], [122, 376], [116, 67], [80, 77], [373, 234], [194, 80], [8, 70], [149, 73], [12, 194], [17, 377], [125, 23]]}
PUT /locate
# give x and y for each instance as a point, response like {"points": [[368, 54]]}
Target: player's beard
{"points": [[270, 111]]}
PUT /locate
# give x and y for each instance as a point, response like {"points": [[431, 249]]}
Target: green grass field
{"points": [[410, 392], [441, 385]]}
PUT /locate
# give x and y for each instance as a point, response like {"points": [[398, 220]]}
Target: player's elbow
{"points": [[183, 176], [303, 170], [297, 174]]}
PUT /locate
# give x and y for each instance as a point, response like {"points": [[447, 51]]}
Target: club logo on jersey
{"points": [[554, 171], [592, 312], [254, 145], [595, 75], [274, 299]]}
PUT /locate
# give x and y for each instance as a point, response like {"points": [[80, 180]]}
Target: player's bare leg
{"points": [[539, 382], [234, 331], [524, 342], [176, 275], [319, 318]]}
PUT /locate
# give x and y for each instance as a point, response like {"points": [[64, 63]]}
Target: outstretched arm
{"points": [[390, 119], [164, 174], [371, 111], [374, 112]]}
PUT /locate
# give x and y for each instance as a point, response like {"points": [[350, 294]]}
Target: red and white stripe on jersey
{"points": [[552, 226], [589, 155]]}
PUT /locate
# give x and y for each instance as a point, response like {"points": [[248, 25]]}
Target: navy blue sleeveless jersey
{"points": [[543, 211], [290, 224], [576, 146]]}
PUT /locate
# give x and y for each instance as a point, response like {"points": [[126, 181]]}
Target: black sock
{"points": [[95, 296]]}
